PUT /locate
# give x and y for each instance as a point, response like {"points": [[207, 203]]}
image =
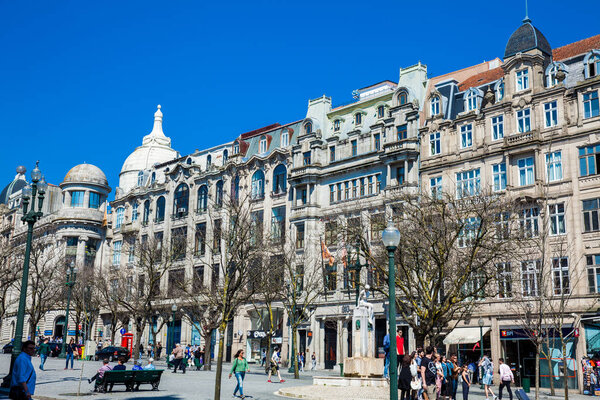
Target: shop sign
{"points": [[257, 334], [277, 340], [508, 334]]}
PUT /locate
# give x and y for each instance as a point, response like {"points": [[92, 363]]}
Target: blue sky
{"points": [[80, 80]]}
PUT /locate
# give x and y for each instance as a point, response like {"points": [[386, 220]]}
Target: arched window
{"points": [[235, 188], [188, 161], [357, 118], [236, 147], [225, 156], [435, 106], [279, 179], [202, 198], [134, 211], [285, 138], [592, 64], [258, 185], [308, 128], [140, 181], [160, 209], [146, 215], [153, 179], [499, 90], [120, 216], [219, 194], [402, 97], [181, 200], [262, 144], [380, 111], [553, 77], [471, 99], [336, 125], [208, 161]]}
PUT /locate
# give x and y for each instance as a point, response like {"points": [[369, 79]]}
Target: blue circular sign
{"points": [[122, 331]]}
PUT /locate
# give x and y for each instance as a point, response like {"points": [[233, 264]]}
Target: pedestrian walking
{"points": [[239, 368], [428, 374], [274, 366], [313, 359], [22, 384], [263, 357], [301, 362], [158, 350], [178, 360], [506, 378], [44, 351], [71, 348], [466, 381], [488, 372], [404, 378], [198, 358]]}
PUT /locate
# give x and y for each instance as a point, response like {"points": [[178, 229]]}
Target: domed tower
{"points": [[155, 149], [527, 38], [80, 221], [13, 187]]}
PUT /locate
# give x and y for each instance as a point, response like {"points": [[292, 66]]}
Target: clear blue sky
{"points": [[80, 80]]}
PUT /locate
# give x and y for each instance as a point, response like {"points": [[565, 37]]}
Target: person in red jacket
{"points": [[399, 342]]}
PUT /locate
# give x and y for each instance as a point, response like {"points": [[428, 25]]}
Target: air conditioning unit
{"points": [[181, 210]]}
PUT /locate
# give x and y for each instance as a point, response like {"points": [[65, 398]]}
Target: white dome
{"points": [[86, 173], [155, 149]]}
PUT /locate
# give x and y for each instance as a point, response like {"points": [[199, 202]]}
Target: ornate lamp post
{"points": [[356, 268], [391, 239], [71, 276], [31, 216], [481, 322], [173, 311]]}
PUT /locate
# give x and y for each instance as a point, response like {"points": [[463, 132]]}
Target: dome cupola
{"points": [[527, 37]]}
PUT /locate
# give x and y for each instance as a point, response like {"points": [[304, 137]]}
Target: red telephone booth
{"points": [[127, 342]]}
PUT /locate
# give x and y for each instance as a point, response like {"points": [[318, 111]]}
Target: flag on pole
{"points": [[325, 254]]}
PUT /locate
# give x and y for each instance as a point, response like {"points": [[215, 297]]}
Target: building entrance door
{"points": [[330, 344], [59, 327]]}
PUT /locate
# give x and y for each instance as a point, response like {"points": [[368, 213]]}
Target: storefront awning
{"points": [[465, 335]]}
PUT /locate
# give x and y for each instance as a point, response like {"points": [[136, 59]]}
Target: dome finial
{"points": [[157, 128], [526, 19]]}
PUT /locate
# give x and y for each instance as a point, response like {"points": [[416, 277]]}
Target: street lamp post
{"points": [[71, 276], [291, 368], [173, 310], [391, 240], [481, 322], [31, 216]]}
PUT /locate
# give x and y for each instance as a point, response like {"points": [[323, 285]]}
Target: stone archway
{"points": [[59, 327]]}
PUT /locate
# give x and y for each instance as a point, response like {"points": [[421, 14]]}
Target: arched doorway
{"points": [[59, 326]]}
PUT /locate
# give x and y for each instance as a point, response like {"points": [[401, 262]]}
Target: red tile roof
{"points": [[574, 49], [260, 130], [481, 78]]}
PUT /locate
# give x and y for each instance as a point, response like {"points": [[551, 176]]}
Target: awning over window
{"points": [[465, 335]]}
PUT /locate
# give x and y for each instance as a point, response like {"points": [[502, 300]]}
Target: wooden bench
{"points": [[130, 379]]}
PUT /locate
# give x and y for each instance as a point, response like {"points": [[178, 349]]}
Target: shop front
{"points": [[257, 343], [466, 343]]}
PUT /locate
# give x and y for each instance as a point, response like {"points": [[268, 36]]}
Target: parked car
{"points": [[112, 353], [8, 348]]}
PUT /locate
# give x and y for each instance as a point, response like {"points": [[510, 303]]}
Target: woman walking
{"points": [[239, 368], [466, 381], [71, 348], [404, 379]]}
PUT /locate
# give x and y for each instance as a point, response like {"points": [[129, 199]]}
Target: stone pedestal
{"points": [[363, 367]]}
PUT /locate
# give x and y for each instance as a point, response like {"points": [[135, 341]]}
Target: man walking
{"points": [[22, 384], [178, 360], [44, 351], [386, 349], [506, 378]]}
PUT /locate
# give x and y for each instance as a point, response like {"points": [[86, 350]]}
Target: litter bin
{"points": [[526, 384], [341, 369]]}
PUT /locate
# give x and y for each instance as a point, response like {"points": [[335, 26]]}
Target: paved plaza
{"points": [[56, 383]]}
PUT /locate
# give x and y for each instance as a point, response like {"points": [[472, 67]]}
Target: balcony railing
{"points": [[179, 215], [521, 138]]}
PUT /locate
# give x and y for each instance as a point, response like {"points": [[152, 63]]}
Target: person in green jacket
{"points": [[239, 368], [43, 351]]}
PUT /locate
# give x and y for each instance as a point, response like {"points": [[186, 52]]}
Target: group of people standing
{"points": [[428, 375]]}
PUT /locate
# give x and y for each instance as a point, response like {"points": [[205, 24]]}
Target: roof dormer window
{"points": [[380, 111], [499, 90], [308, 128], [592, 64], [208, 161], [522, 80], [140, 180], [435, 106], [262, 144], [336, 125], [285, 139], [471, 99], [236, 147], [357, 119], [402, 98]]}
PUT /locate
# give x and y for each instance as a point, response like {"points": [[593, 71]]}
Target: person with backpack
{"points": [[239, 368]]}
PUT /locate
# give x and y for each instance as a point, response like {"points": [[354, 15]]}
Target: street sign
{"points": [[122, 331]]}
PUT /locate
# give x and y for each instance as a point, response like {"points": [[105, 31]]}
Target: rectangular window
{"points": [[200, 239], [331, 233], [300, 236], [402, 132], [466, 136], [119, 217], [77, 198], [589, 160], [339, 192], [401, 175], [358, 119], [117, 245], [560, 275], [306, 158], [214, 278], [524, 120], [529, 221], [198, 282], [593, 272], [504, 280], [377, 141], [435, 143], [377, 225], [497, 127], [591, 222], [134, 212], [380, 111], [131, 243], [347, 190], [331, 277], [362, 187], [467, 183], [530, 271], [354, 144], [331, 193], [526, 172], [550, 114], [354, 187], [436, 187], [522, 80], [554, 170], [499, 174], [278, 223], [336, 125], [332, 154], [557, 219], [469, 232], [217, 237], [591, 105], [94, 201], [303, 195], [502, 223]]}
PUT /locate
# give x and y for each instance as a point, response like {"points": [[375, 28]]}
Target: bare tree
{"points": [[85, 300], [10, 268], [108, 294]]}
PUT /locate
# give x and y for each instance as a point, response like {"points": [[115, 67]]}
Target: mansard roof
{"points": [[576, 48]]}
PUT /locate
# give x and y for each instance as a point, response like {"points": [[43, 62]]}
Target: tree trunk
{"points": [[268, 353], [549, 358], [222, 328], [207, 344], [295, 355], [537, 371], [139, 330]]}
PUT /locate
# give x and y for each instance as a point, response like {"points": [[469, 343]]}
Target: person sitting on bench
{"points": [[100, 373]]}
